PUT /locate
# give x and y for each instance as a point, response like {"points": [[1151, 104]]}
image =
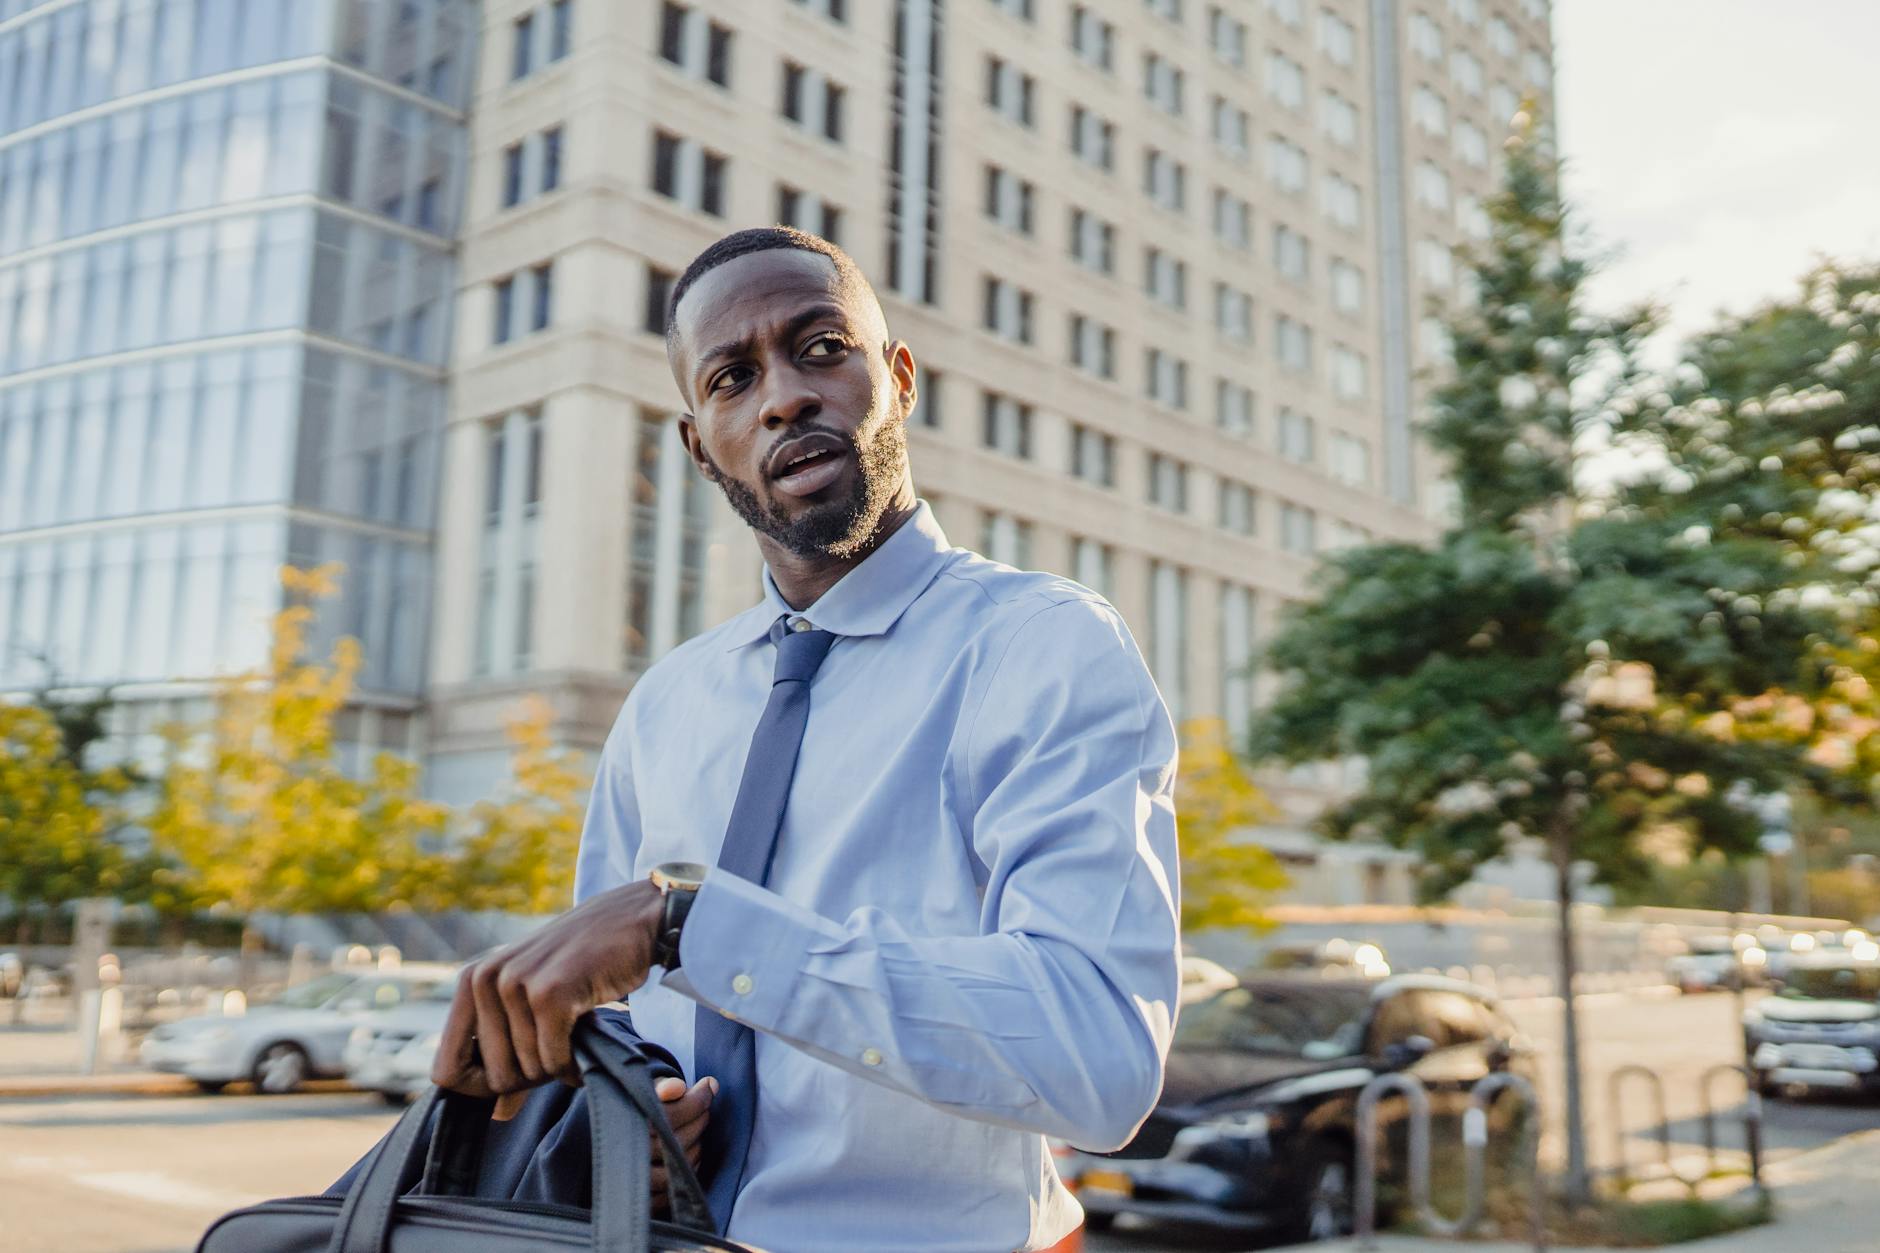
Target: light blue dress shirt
{"points": [[970, 938]]}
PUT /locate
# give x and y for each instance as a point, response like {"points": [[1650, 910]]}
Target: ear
{"points": [[695, 447], [902, 375]]}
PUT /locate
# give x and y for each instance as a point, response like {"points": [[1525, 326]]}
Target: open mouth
{"points": [[811, 471]]}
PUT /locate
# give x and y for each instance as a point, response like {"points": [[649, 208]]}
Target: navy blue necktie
{"points": [[721, 1047]]}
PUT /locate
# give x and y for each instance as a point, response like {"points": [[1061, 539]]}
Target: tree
{"points": [[56, 820], [256, 812], [1551, 669], [519, 850], [1226, 879]]}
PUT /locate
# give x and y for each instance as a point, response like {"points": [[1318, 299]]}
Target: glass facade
{"points": [[225, 292]]}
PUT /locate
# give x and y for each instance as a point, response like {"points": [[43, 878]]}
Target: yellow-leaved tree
{"points": [[255, 812], [1227, 880], [518, 850]]}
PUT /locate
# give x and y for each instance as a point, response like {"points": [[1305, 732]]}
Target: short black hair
{"points": [[760, 239]]}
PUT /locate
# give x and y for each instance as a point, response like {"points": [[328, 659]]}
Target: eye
{"points": [[731, 376], [832, 343]]}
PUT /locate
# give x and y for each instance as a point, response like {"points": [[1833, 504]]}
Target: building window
{"points": [[1340, 201], [680, 30], [1471, 144], [1233, 220], [1350, 375], [1165, 180], [1347, 287], [667, 151], [1285, 81], [1006, 539], [1350, 459], [1292, 344], [512, 176], [1165, 278], [1092, 38], [544, 276], [1288, 12], [672, 24], [1231, 129], [1006, 426], [505, 311], [506, 580], [1238, 659], [522, 50], [551, 159], [1233, 408], [1093, 456], [1429, 112], [1093, 346], [1338, 40], [1292, 255], [1465, 71], [1020, 9], [1162, 83], [1094, 565], [1093, 139], [1009, 200], [1338, 118], [658, 299], [1426, 38], [1297, 437], [793, 79], [1093, 242], [1236, 508], [1233, 313], [928, 407], [1010, 92], [833, 97], [1007, 310], [1286, 165], [1168, 635], [1298, 529], [1227, 37], [1166, 378], [666, 564], [1168, 483]]}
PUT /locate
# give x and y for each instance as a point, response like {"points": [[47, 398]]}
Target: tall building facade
{"points": [[226, 283], [385, 282], [1166, 267]]}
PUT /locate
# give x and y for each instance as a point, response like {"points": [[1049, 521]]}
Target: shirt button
{"points": [[799, 624], [871, 1057], [742, 985]]}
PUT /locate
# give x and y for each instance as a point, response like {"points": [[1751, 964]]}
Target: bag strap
{"points": [[622, 1109], [631, 1072]]}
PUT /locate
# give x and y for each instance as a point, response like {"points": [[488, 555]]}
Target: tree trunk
{"points": [[1578, 1187]]}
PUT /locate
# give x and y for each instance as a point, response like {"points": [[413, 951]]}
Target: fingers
{"points": [[500, 1068], [520, 1018], [554, 1036], [456, 1066], [688, 1113], [508, 1105], [671, 1088]]}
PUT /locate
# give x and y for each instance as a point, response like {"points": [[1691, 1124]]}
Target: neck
{"points": [[801, 580]]}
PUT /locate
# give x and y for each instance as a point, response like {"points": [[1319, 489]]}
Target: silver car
{"points": [[392, 1054], [302, 1035]]}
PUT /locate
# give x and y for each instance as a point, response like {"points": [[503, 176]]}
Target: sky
{"points": [[1719, 146]]}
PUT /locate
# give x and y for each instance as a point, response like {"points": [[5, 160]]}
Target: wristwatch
{"points": [[678, 883]]}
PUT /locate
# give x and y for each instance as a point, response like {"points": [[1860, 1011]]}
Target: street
{"points": [[138, 1174]]}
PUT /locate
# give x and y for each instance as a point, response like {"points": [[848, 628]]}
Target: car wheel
{"points": [[211, 1086], [397, 1100], [1098, 1222], [1326, 1209], [280, 1068]]}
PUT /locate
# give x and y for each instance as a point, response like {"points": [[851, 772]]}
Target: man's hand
{"points": [[512, 1020], [688, 1112]]}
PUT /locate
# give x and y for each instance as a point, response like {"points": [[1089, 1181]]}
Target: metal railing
{"points": [[1661, 1128], [1475, 1130]]}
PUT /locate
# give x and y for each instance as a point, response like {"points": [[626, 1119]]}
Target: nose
{"points": [[788, 399]]}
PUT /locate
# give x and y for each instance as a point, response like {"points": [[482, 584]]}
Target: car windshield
{"points": [[1841, 983], [1314, 1021], [315, 992]]}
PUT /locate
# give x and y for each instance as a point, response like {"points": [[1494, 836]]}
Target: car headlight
{"points": [[1248, 1125]]}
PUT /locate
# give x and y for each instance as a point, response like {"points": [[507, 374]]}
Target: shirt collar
{"points": [[869, 599]]}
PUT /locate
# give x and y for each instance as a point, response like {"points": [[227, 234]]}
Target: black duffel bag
{"points": [[441, 1216]]}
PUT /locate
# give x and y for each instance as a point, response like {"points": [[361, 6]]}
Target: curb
{"points": [[130, 1083]]}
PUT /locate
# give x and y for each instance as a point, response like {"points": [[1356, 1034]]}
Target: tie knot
{"points": [[800, 654]]}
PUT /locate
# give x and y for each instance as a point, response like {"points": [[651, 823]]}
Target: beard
{"points": [[834, 528]]}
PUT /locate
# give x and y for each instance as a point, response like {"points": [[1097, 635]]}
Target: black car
{"points": [[1256, 1128]]}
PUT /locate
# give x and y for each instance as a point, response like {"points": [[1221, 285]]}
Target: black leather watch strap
{"points": [[678, 903]]}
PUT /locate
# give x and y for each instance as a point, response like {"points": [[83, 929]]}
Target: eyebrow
{"points": [[794, 327]]}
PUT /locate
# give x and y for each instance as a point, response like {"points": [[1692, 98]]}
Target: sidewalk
{"points": [[1827, 1201], [44, 1059]]}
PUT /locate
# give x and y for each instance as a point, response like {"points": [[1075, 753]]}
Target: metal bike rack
{"points": [[1752, 1123], [1475, 1143]]}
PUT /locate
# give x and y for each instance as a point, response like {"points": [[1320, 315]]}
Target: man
{"points": [[960, 935]]}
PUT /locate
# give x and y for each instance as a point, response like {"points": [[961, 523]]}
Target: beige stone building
{"points": [[1164, 265]]}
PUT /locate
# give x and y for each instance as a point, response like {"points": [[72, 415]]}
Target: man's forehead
{"points": [[750, 293]]}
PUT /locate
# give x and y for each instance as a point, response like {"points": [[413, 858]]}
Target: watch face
{"points": [[680, 876]]}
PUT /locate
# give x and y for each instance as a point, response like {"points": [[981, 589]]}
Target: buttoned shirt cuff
{"points": [[743, 948]]}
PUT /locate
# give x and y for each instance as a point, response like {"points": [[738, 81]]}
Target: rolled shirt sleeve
{"points": [[1056, 1017]]}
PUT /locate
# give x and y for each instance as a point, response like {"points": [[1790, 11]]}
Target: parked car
{"points": [[392, 1053], [1822, 1029], [299, 1036], [1720, 963], [1256, 1129]]}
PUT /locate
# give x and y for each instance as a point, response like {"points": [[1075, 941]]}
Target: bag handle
{"points": [[622, 1108]]}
